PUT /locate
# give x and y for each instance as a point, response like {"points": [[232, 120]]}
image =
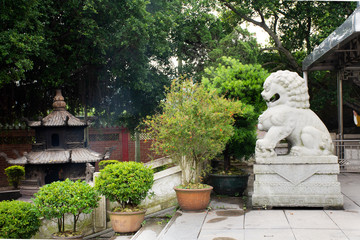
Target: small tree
{"points": [[57, 199], [243, 83], [15, 174], [194, 126]]}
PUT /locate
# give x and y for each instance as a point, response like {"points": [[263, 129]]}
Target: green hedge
{"points": [[104, 163], [15, 174], [18, 219]]}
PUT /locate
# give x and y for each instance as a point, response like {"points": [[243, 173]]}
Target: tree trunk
{"points": [[74, 223], [226, 158]]}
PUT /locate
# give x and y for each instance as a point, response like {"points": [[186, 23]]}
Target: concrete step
{"points": [[151, 229], [183, 226]]}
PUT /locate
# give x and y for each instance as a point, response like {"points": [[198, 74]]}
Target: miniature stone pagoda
{"points": [[307, 175], [59, 151]]}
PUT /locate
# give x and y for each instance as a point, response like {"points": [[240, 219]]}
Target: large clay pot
{"points": [[230, 185], [193, 199], [125, 222]]}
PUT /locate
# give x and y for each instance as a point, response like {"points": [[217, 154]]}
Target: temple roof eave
{"points": [[54, 156], [58, 119]]}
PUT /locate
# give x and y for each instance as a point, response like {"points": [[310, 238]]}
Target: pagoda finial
{"points": [[59, 103]]}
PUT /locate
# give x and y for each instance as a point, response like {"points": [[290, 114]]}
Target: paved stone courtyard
{"points": [[227, 220]]}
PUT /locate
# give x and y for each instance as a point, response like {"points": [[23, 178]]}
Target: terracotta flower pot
{"points": [[193, 199], [124, 222]]}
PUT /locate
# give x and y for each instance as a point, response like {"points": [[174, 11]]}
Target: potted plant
{"points": [[192, 128], [127, 183], [243, 82], [56, 200]]}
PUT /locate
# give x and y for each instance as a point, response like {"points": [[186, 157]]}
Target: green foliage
{"points": [[104, 163], [237, 81], [20, 38], [98, 52], [18, 219], [292, 26], [194, 125], [127, 183], [57, 199], [239, 44], [15, 174], [196, 32], [242, 83]]}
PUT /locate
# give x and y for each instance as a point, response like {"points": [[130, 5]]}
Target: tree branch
{"points": [[270, 49], [269, 63], [271, 33]]}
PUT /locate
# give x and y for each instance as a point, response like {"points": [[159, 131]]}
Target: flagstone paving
{"points": [[282, 224], [227, 219]]}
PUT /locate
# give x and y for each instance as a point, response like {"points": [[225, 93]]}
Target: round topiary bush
{"points": [[127, 183], [15, 174], [18, 219]]}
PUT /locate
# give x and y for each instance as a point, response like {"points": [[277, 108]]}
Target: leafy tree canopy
{"points": [[294, 29], [98, 52], [243, 83]]}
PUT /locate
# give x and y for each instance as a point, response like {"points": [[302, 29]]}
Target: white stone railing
{"points": [[348, 152]]}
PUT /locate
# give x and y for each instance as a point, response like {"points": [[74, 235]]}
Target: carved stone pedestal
{"points": [[297, 181]]}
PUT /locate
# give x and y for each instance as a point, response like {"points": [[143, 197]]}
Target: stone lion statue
{"points": [[288, 117]]}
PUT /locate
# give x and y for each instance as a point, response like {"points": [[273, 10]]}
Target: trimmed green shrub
{"points": [[15, 174], [104, 163], [57, 199], [127, 183], [18, 219]]}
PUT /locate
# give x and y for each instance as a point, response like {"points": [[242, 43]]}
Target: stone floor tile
{"points": [[224, 220], [352, 234], [319, 234], [219, 202], [266, 219], [346, 220], [207, 234], [269, 234], [186, 226], [350, 204], [315, 219]]}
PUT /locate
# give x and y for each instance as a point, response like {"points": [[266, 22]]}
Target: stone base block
{"points": [[288, 181], [324, 201]]}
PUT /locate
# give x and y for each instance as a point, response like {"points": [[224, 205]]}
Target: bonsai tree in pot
{"points": [[192, 128], [243, 83], [127, 183], [58, 199]]}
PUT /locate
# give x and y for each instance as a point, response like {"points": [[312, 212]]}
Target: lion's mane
{"points": [[295, 86]]}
